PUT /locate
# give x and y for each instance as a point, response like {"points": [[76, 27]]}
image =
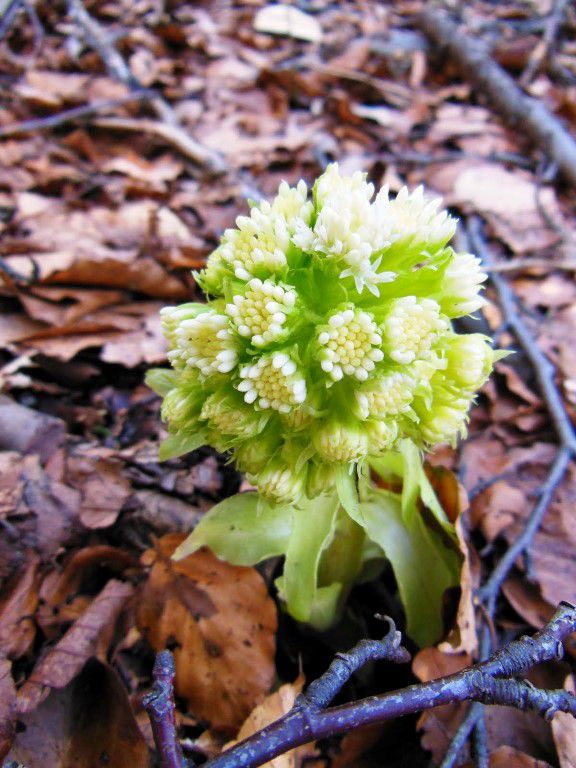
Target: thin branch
{"points": [[99, 39], [159, 703], [11, 10], [543, 368], [461, 736], [490, 682], [545, 48], [517, 108], [321, 692], [69, 115]]}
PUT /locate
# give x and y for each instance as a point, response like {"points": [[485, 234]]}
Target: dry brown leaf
{"points": [[88, 723], [502, 509], [98, 475], [222, 623], [62, 601], [506, 198], [17, 607], [7, 707], [564, 732], [90, 635]]}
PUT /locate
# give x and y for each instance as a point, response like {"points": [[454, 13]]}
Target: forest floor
{"points": [[131, 135]]}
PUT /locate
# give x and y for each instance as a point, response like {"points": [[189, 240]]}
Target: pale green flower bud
{"points": [[388, 395], [382, 435], [261, 314], [292, 203], [461, 285], [469, 360], [253, 455], [297, 419], [182, 405], [349, 345], [172, 317], [274, 381], [445, 422], [411, 326], [258, 247], [211, 279], [338, 441], [320, 478], [278, 482], [227, 414]]}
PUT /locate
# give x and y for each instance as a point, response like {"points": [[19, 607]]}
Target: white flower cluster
{"points": [[294, 366]]}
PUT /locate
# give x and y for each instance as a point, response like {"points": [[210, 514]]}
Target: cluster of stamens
{"points": [[389, 395], [205, 342], [411, 327], [273, 382], [261, 313], [350, 345]]}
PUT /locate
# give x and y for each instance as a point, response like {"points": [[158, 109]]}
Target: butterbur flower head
{"points": [[327, 337]]}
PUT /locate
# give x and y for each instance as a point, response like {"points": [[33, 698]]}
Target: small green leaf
{"points": [[347, 491], [411, 474], [179, 443], [423, 565], [312, 532], [242, 529], [162, 380]]}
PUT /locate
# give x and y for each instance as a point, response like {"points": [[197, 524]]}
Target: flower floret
{"points": [[349, 345], [261, 313], [205, 342], [414, 216], [411, 327], [461, 286], [258, 246], [389, 395], [273, 381]]}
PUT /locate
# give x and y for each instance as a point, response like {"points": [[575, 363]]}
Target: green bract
{"points": [[326, 348]]}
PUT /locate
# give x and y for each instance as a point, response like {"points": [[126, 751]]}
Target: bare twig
{"points": [[169, 127], [159, 704], [461, 736], [172, 134], [490, 682], [545, 47], [473, 58], [321, 692], [543, 368], [10, 10], [69, 115]]}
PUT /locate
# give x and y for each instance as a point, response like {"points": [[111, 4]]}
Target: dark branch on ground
{"points": [[159, 703], [70, 115], [488, 594], [515, 107], [491, 682]]}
